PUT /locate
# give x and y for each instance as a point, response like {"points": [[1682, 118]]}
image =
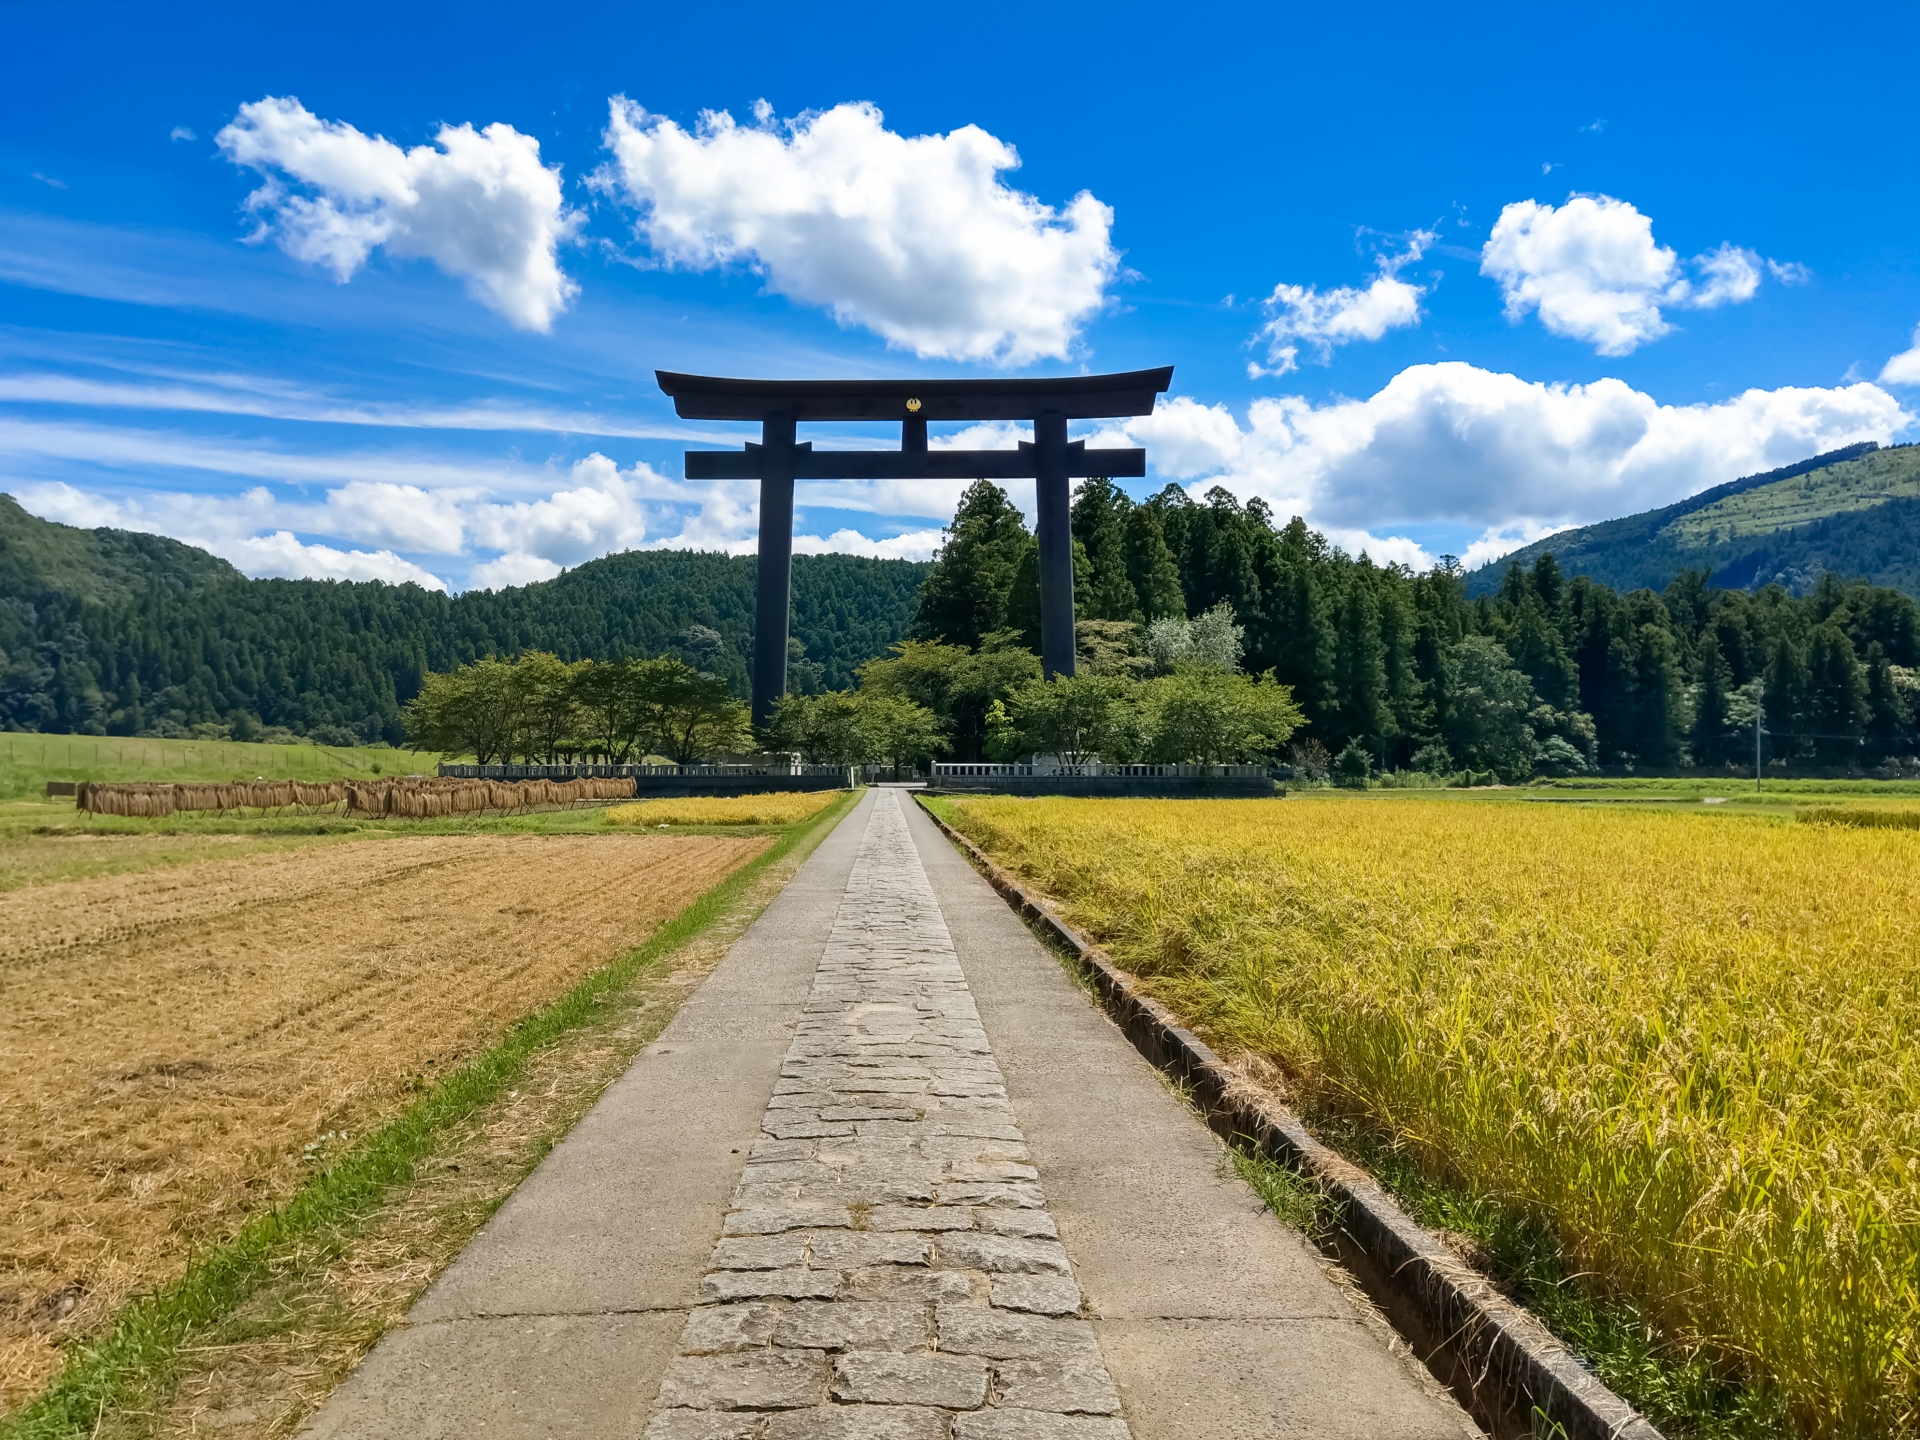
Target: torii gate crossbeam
{"points": [[780, 459]]}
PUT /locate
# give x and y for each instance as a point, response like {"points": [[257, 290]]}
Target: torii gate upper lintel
{"points": [[779, 460]]}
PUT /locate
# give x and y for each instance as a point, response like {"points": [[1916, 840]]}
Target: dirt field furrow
{"points": [[180, 1047]]}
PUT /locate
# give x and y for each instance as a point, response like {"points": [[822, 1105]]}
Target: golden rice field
{"points": [[1690, 1042], [785, 807], [183, 1045]]}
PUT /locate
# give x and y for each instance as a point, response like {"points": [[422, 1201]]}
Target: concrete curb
{"points": [[1508, 1370]]}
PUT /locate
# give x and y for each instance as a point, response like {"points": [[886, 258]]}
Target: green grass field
{"points": [[28, 761], [1726, 795]]}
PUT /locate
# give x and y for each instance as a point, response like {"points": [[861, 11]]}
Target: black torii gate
{"points": [[779, 460]]}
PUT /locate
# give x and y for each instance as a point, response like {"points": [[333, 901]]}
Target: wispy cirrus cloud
{"points": [[228, 394]]}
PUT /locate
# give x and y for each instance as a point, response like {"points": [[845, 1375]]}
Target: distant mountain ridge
{"points": [[1854, 511], [123, 632]]}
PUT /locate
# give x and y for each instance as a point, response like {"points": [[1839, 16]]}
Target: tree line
{"points": [[165, 650], [1393, 670], [1339, 659], [540, 709], [1173, 693]]}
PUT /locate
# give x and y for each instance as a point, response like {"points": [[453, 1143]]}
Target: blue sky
{"points": [[379, 291]]}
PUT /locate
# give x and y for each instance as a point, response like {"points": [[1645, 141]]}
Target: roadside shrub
{"points": [[1353, 769]]}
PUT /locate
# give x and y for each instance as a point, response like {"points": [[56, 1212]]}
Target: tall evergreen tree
{"points": [[1023, 595], [1786, 700], [965, 595], [1405, 696], [1540, 651], [1658, 684], [1151, 566], [1099, 519], [1294, 637], [1889, 717], [1836, 696], [1549, 584], [1688, 604], [1712, 739], [1359, 677]]}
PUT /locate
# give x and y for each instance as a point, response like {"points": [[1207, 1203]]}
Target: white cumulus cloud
{"points": [[1498, 540], [1593, 272], [913, 237], [1904, 368], [1452, 443], [404, 517], [1729, 276], [1302, 315], [284, 556], [602, 511], [481, 206], [913, 545]]}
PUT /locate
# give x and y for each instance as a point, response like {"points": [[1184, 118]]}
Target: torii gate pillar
{"points": [[1050, 460], [1059, 648], [773, 571]]}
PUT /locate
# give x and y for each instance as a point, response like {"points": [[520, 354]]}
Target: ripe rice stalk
{"points": [[1685, 1042], [1868, 819]]}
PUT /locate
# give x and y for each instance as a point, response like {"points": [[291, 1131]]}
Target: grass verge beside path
{"points": [[299, 1276], [28, 761]]}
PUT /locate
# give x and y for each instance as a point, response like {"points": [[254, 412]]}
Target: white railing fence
{"points": [[1045, 769], [645, 772]]}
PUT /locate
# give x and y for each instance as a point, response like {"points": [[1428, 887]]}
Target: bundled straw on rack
{"points": [[400, 799], [150, 800], [428, 799]]}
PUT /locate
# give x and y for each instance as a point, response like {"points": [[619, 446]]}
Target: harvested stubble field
{"points": [[179, 1047], [1686, 1042]]}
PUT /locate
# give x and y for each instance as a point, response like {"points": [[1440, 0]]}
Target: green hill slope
{"points": [[103, 566], [108, 631], [1855, 512]]}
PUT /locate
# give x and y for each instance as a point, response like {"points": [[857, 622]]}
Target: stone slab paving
{"points": [[873, 1254], [1215, 1321], [888, 1266], [562, 1314]]}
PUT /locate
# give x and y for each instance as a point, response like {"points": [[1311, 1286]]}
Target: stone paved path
{"points": [[888, 1267]]}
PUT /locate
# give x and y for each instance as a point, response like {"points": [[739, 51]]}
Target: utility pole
{"points": [[1759, 694]]}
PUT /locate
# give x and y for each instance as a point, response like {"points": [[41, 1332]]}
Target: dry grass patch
{"points": [[29, 859], [180, 1048], [272, 1363], [785, 807]]}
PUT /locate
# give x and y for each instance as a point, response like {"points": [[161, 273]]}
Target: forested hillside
{"points": [[108, 632], [1545, 673], [1852, 512]]}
